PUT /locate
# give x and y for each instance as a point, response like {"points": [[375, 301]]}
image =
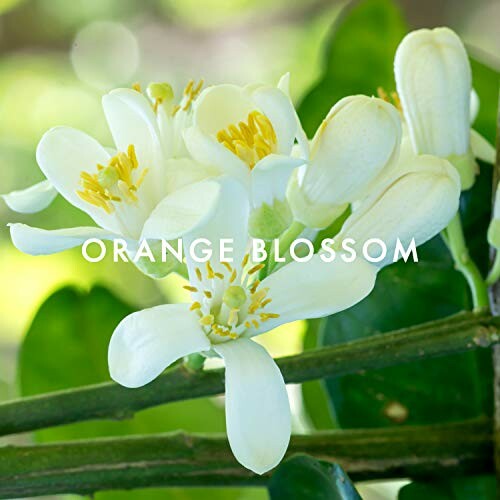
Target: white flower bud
{"points": [[357, 140], [433, 79], [417, 205]]}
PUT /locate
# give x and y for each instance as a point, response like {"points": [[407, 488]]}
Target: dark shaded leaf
{"points": [[303, 477]]}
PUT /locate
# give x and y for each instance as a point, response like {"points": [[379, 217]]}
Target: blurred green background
{"points": [[57, 58]]}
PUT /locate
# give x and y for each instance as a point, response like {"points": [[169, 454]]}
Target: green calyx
{"points": [[467, 168], [157, 269], [269, 221]]}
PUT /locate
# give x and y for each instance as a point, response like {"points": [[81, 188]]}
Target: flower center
{"points": [[113, 183], [229, 303], [250, 141]]}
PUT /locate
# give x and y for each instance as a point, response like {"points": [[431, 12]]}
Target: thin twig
{"points": [[459, 333], [179, 459]]}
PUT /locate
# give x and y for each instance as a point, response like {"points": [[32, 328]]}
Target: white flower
{"points": [[433, 79], [357, 142], [417, 205], [229, 307], [249, 133], [118, 189]]}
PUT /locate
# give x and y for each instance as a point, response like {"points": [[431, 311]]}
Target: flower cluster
{"points": [[233, 162]]}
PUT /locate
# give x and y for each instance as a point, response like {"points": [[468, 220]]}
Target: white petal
{"points": [[417, 205], [313, 289], [35, 241], [148, 341], [227, 219], [32, 199], [481, 148], [433, 79], [182, 211], [258, 416], [278, 107], [270, 178], [206, 150], [182, 172], [346, 158], [62, 154], [132, 121]]}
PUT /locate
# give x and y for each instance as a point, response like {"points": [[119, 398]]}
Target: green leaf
{"points": [[485, 81], [358, 57], [462, 488], [305, 477], [66, 346]]}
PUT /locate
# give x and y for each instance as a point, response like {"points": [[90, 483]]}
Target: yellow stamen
{"points": [[233, 276], [227, 266], [190, 288], [267, 316], [197, 270], [244, 262], [254, 286], [210, 271], [195, 306], [208, 294], [250, 141], [207, 320], [137, 87], [265, 302], [117, 175], [255, 323], [256, 268]]}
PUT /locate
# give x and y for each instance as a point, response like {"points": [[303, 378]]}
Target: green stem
{"points": [[85, 467], [460, 253], [194, 362], [459, 333], [285, 241], [494, 273]]}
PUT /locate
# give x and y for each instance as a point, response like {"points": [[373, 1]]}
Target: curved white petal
{"points": [[313, 289], [35, 241], [481, 148], [278, 107], [182, 172], [227, 219], [207, 151], [417, 205], [182, 211], [433, 79], [346, 157], [62, 154], [258, 416], [219, 106], [32, 199], [132, 121], [270, 178], [148, 341]]}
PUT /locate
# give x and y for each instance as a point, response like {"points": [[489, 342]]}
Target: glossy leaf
{"points": [[464, 488], [305, 477]]}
